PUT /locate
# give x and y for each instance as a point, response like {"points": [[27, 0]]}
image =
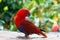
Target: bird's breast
{"points": [[21, 29]]}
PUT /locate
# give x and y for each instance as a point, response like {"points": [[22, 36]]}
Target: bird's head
{"points": [[23, 13]]}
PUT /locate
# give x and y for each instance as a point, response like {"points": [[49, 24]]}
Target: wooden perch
{"points": [[8, 35]]}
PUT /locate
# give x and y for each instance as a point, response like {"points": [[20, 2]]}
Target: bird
{"points": [[24, 25]]}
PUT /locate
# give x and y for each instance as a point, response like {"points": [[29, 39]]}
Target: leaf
{"points": [[0, 1], [55, 1], [39, 1], [1, 22], [55, 18], [59, 16], [5, 8]]}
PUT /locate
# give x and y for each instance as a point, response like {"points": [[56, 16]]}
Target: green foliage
{"points": [[7, 9], [40, 1], [45, 10]]}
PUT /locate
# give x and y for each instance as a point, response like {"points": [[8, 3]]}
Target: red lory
{"points": [[24, 25]]}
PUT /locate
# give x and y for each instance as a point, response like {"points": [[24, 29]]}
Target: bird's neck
{"points": [[19, 21]]}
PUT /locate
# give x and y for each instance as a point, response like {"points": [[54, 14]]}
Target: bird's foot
{"points": [[26, 36]]}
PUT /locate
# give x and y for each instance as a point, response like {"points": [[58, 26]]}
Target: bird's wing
{"points": [[29, 27]]}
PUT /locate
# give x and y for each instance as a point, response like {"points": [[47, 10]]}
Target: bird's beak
{"points": [[28, 14]]}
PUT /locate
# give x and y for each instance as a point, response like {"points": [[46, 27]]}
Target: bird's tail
{"points": [[42, 30], [42, 33]]}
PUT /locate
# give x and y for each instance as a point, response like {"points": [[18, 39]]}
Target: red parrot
{"points": [[24, 25]]}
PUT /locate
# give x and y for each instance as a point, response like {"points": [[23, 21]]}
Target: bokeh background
{"points": [[43, 13]]}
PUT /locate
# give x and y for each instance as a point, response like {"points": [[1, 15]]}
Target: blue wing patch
{"points": [[21, 29]]}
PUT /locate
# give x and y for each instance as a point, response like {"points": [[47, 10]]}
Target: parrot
{"points": [[24, 25]]}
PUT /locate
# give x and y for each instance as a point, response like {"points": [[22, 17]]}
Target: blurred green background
{"points": [[44, 13]]}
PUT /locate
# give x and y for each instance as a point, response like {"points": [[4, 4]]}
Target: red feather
{"points": [[28, 26], [20, 16]]}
